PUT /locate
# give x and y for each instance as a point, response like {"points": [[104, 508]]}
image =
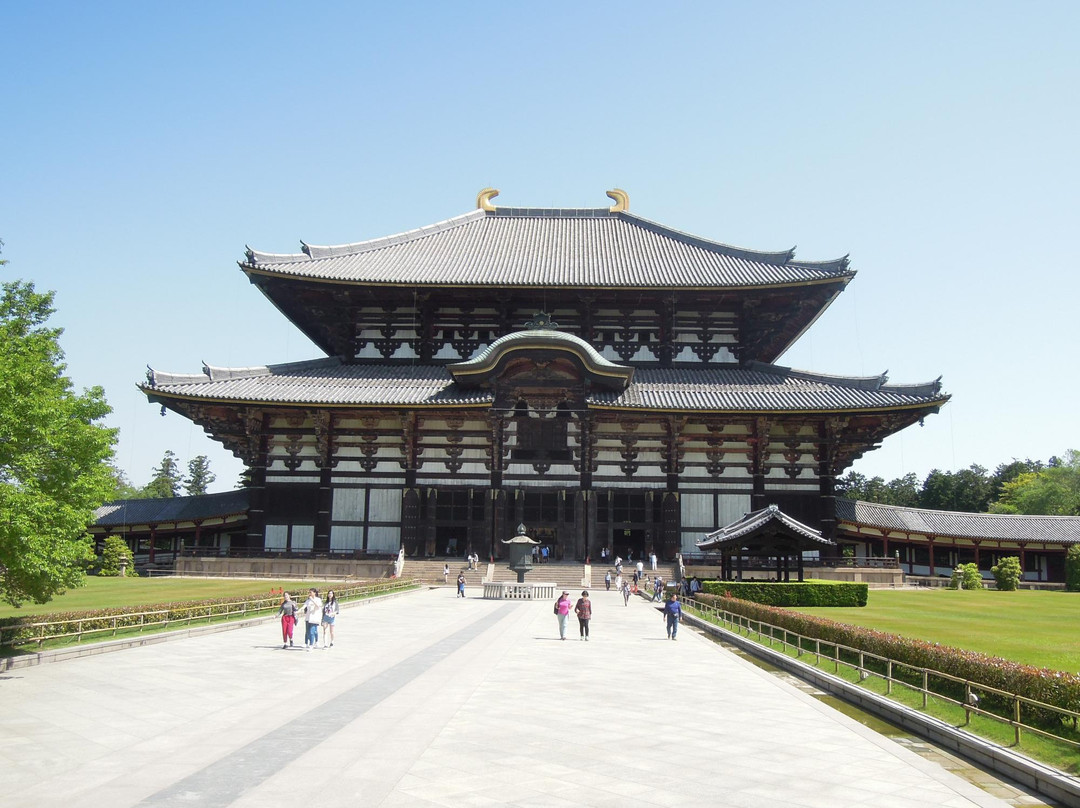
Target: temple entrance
{"points": [[631, 545]]}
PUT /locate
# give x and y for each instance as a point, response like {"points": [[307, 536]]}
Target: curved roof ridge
{"points": [[860, 382], [776, 258], [311, 252]]}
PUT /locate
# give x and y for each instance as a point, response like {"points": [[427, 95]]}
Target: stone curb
{"points": [[1040, 778], [36, 658]]}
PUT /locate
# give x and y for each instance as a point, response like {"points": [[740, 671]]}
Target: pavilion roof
{"points": [[952, 524], [549, 248], [755, 523], [755, 387]]}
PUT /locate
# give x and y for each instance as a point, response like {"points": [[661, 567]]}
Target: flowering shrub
{"points": [[22, 630], [1052, 687]]}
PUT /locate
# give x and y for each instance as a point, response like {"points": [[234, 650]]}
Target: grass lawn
{"points": [[1032, 627], [106, 592]]}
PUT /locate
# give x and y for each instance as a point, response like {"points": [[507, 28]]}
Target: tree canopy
{"points": [[54, 454], [1019, 486]]}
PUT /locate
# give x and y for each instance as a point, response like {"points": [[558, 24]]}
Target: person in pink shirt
{"points": [[563, 607]]}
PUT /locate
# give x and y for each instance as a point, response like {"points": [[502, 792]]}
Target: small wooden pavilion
{"points": [[768, 535]]}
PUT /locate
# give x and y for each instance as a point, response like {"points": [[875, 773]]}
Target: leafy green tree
{"points": [[167, 478], [966, 576], [1053, 491], [54, 454], [199, 476], [116, 555], [1007, 573], [1072, 568], [1007, 472], [122, 487]]}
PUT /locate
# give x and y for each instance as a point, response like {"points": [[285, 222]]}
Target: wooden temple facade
{"points": [[606, 380]]}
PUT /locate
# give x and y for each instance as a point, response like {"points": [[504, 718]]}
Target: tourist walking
{"points": [[312, 617], [562, 611], [652, 561], [330, 611], [626, 593], [446, 573], [640, 570], [672, 613], [287, 613], [607, 581], [658, 589], [583, 610], [461, 584]]}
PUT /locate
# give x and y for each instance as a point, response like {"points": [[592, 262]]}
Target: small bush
{"points": [[1072, 568], [1007, 574], [966, 576], [795, 593], [116, 556]]}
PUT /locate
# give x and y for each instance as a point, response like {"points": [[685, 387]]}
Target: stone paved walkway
{"points": [[430, 700]]}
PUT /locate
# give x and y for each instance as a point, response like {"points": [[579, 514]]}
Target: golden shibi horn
{"points": [[622, 200], [483, 199]]}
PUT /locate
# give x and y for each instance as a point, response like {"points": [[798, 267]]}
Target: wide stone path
{"points": [[430, 700]]}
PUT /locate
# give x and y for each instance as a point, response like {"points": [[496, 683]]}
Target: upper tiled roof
{"points": [[960, 525], [746, 389], [525, 247], [171, 509]]}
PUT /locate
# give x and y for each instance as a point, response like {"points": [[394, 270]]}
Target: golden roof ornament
{"points": [[622, 200], [483, 199]]}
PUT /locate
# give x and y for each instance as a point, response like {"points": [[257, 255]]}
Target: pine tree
{"points": [[199, 476]]}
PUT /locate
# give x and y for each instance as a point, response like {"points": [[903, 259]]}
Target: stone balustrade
{"points": [[512, 590]]}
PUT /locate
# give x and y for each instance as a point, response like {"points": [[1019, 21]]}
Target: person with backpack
{"points": [[672, 614], [562, 612], [461, 584], [313, 610]]}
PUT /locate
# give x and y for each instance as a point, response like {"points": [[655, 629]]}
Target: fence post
{"points": [[836, 659], [1016, 719], [78, 632], [888, 678], [967, 703], [925, 686], [817, 652]]}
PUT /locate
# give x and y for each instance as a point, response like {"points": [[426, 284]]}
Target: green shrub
{"points": [[1007, 574], [794, 593], [1072, 568], [117, 555], [966, 576], [1056, 688]]}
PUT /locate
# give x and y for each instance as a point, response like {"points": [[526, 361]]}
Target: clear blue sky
{"points": [[142, 145]]}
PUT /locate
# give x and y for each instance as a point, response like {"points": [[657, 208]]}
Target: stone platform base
{"points": [[512, 590], [305, 569]]}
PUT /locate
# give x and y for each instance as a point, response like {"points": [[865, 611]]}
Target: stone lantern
{"points": [[520, 550]]}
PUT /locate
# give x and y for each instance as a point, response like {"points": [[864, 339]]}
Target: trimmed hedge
{"points": [[796, 593], [21, 630], [1056, 688]]}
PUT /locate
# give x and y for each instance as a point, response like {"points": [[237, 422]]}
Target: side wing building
{"points": [[608, 381]]}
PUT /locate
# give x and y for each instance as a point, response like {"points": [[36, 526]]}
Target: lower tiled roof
{"points": [[330, 382], [171, 509], [1010, 527], [755, 521]]}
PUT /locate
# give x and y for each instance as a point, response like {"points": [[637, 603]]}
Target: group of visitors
{"points": [[671, 612], [315, 613]]}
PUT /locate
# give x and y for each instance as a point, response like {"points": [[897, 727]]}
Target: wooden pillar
{"points": [[800, 562], [1023, 560], [759, 443], [410, 521], [323, 510], [930, 545], [153, 541], [976, 543], [671, 543]]}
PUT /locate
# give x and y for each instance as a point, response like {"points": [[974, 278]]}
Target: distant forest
{"points": [[1020, 486]]}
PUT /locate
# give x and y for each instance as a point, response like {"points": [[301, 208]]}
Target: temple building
{"points": [[606, 380]]}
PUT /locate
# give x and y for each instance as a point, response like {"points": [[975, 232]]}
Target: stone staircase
{"points": [[570, 576]]}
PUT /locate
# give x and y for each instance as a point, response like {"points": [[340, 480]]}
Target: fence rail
{"points": [[895, 673], [83, 629]]}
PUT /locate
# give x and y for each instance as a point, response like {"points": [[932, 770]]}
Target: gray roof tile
{"points": [[1010, 527], [171, 509], [548, 247], [331, 382]]}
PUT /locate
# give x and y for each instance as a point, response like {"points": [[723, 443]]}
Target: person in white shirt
{"points": [[313, 612]]}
